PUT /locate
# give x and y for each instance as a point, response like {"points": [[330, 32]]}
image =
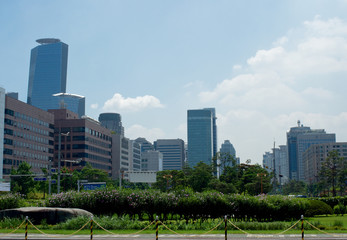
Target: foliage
{"points": [[333, 171], [183, 203], [317, 207], [22, 184], [294, 187], [10, 200], [339, 209]]}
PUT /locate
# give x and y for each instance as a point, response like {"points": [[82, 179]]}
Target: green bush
{"points": [[316, 207], [339, 209], [10, 200]]}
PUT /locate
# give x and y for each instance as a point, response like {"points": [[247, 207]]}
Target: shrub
{"points": [[316, 207], [339, 209], [10, 200]]}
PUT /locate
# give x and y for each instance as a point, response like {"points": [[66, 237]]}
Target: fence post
{"points": [[26, 227], [156, 227], [226, 227], [302, 227], [91, 228]]}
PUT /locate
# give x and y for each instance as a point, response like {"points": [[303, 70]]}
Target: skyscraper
{"points": [[73, 102], [173, 153], [112, 121], [47, 73], [202, 136], [299, 139]]}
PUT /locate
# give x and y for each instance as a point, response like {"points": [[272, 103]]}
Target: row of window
{"points": [[28, 127], [31, 146], [32, 138], [90, 156], [27, 118], [83, 129], [30, 155]]}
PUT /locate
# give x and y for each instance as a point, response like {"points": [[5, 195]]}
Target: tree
{"points": [[294, 187], [223, 160], [200, 176], [170, 180], [253, 179], [22, 184], [333, 169]]}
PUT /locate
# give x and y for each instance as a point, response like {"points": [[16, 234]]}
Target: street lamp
{"points": [[59, 156], [261, 181]]}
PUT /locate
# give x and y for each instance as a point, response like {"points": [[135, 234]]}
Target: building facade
{"points": [[317, 154], [28, 136], [201, 127], [81, 139], [152, 161], [299, 139], [2, 126], [47, 73], [145, 144], [135, 156], [112, 121], [73, 102], [173, 153]]}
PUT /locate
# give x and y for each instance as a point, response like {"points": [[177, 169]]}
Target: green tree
{"points": [[171, 180], [22, 184], [223, 187], [253, 179], [200, 176], [333, 170], [294, 187]]}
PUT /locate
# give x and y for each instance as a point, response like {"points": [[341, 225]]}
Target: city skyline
{"points": [[261, 65]]}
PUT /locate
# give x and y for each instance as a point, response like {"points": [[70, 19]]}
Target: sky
{"points": [[263, 64]]}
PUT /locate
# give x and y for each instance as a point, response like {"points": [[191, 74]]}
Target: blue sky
{"points": [[262, 64]]}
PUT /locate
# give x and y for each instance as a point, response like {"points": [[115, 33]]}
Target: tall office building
{"points": [[317, 154], [173, 153], [145, 144], [227, 147], [47, 73], [2, 120], [152, 161], [73, 102], [299, 139], [112, 121], [277, 162], [28, 136], [202, 136]]}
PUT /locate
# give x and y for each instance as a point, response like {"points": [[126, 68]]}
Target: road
{"points": [[177, 237]]}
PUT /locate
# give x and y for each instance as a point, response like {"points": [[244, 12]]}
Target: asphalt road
{"points": [[177, 237]]}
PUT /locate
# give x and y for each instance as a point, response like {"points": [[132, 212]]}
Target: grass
{"points": [[330, 224]]}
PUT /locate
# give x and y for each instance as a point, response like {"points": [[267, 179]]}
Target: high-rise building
{"points": [[202, 136], [81, 139], [112, 121], [152, 161], [135, 156], [298, 140], [2, 121], [173, 153], [317, 154], [277, 162], [47, 73], [73, 102], [28, 135], [145, 144], [227, 147]]}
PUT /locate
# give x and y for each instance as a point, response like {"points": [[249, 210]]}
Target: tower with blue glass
{"points": [[47, 73], [202, 136]]}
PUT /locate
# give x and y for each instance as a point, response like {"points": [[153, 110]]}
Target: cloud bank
{"points": [[119, 103]]}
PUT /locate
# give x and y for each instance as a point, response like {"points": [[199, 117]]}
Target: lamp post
{"points": [[167, 177], [59, 156], [261, 181]]}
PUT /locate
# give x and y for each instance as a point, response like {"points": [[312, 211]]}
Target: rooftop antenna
{"points": [[298, 123]]}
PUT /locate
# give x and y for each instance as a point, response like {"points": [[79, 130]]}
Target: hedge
{"points": [[183, 204]]}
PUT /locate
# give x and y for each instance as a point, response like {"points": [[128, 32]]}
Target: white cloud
{"points": [[237, 67], [118, 102], [301, 77], [94, 106], [138, 130]]}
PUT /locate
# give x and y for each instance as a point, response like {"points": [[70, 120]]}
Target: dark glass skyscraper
{"points": [[202, 136], [47, 73], [112, 121]]}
